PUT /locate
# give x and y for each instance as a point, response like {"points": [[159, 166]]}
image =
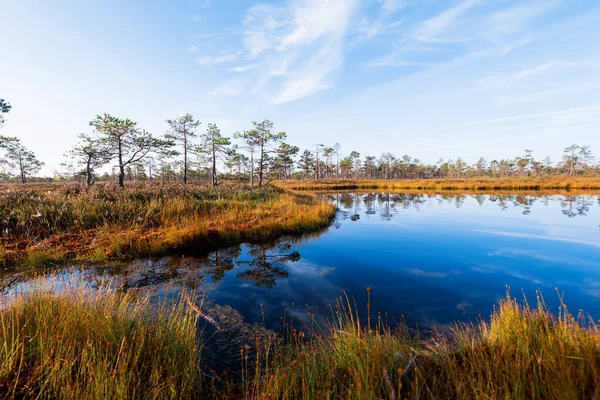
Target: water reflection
{"points": [[267, 263], [261, 265], [429, 258], [388, 204]]}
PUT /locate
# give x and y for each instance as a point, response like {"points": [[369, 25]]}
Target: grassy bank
{"points": [[52, 224], [520, 353], [104, 345], [471, 184], [73, 345]]}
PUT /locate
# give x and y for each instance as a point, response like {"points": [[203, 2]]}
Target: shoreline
{"points": [[69, 224], [568, 184]]}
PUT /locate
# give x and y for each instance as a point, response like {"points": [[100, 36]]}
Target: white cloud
{"points": [[263, 26], [204, 36], [594, 108], [192, 48], [243, 68], [232, 87], [316, 19], [531, 72], [517, 76], [392, 5], [367, 29], [302, 43], [428, 274], [196, 18], [312, 77], [519, 98], [517, 18], [210, 61], [430, 29], [541, 237]]}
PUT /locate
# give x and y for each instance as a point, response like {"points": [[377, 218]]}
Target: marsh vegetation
{"points": [[91, 343], [187, 255], [49, 225]]}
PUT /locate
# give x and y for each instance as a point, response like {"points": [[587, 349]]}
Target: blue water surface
{"points": [[429, 259]]}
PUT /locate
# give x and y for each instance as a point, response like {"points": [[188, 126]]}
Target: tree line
{"points": [[259, 154]]}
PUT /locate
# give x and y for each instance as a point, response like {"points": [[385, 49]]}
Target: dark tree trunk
{"points": [[214, 170], [185, 164], [88, 173], [252, 166], [22, 169], [260, 165], [121, 166]]}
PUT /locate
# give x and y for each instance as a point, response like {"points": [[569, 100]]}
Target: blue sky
{"points": [[431, 79]]}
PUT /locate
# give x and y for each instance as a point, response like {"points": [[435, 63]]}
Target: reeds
{"points": [[522, 352], [83, 344], [452, 184], [50, 225], [106, 344]]}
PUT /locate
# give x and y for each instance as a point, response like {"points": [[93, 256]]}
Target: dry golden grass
{"points": [[54, 224], [83, 344], [522, 353], [470, 184], [79, 343]]}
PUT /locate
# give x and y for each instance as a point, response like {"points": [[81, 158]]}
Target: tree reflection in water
{"points": [[263, 263], [576, 205], [221, 261], [389, 203], [268, 263]]}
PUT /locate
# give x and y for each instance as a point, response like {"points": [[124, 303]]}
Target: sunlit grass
{"points": [[52, 224], [102, 343], [522, 352], [82, 344], [467, 184]]}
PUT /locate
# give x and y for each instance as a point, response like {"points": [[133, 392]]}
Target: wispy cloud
{"points": [[517, 18], [563, 112], [369, 28], [430, 29], [263, 26], [517, 76], [534, 71], [429, 274], [196, 18], [192, 48], [301, 43], [541, 237], [231, 87], [391, 6], [208, 61], [290, 50], [203, 35], [520, 98], [244, 68], [391, 61]]}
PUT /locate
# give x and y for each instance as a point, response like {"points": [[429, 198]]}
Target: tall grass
{"points": [[45, 225], [465, 184], [78, 344], [522, 352]]}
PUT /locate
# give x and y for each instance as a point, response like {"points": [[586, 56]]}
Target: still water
{"points": [[430, 259]]}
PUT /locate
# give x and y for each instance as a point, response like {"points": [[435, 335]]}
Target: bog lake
{"points": [[428, 259]]}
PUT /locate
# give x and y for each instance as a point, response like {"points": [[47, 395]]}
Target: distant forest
{"points": [[118, 150]]}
